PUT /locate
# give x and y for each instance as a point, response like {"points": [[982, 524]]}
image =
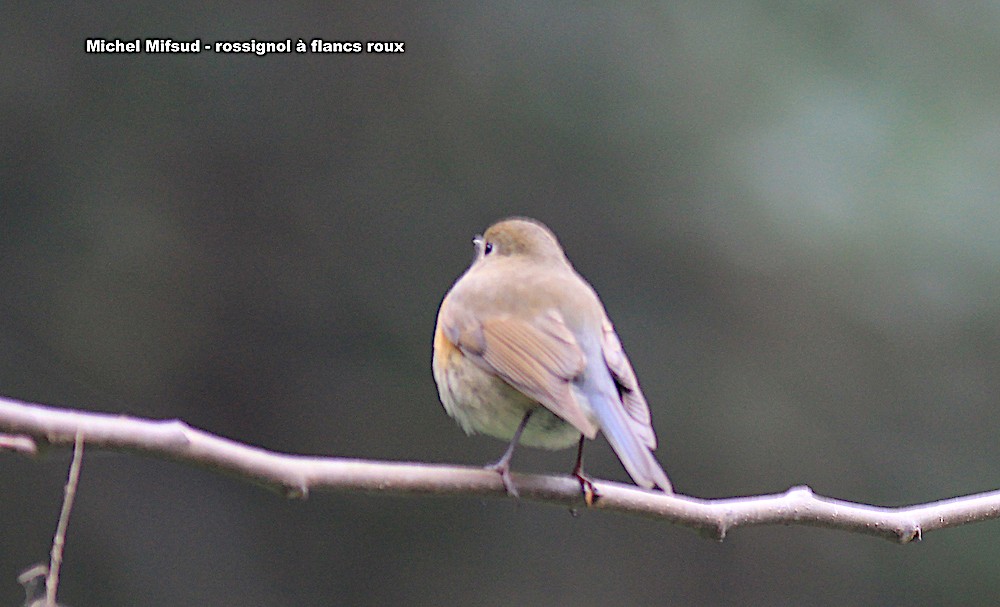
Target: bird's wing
{"points": [[540, 358], [628, 386]]}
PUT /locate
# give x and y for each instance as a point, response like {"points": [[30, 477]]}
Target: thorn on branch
{"points": [[717, 532], [300, 492]]}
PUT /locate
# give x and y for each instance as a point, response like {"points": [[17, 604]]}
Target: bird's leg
{"points": [[590, 494], [502, 465]]}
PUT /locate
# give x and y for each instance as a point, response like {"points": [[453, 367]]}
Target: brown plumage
{"points": [[524, 351]]}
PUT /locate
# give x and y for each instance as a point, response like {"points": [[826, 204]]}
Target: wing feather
{"points": [[628, 386], [540, 358]]}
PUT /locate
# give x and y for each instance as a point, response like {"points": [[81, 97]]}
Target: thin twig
{"points": [[59, 541], [297, 475], [18, 443], [33, 580]]}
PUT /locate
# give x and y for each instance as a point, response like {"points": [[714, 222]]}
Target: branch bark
{"points": [[28, 425]]}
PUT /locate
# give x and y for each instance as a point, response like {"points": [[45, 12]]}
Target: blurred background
{"points": [[792, 214]]}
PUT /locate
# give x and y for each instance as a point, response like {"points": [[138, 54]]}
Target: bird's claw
{"points": [[503, 469], [590, 494]]}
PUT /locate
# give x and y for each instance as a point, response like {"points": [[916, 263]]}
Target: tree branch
{"points": [[297, 475]]}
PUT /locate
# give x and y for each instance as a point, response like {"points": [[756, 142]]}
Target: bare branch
{"points": [[19, 443], [59, 540], [297, 475]]}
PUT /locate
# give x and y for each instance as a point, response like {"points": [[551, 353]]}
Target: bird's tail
{"points": [[638, 459]]}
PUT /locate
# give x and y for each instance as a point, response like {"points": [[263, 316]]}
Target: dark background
{"points": [[790, 213]]}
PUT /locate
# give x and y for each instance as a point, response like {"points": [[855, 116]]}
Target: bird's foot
{"points": [[502, 468], [590, 494]]}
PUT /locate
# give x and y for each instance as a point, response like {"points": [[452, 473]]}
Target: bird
{"points": [[524, 351]]}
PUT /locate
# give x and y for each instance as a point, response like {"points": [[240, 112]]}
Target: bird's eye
{"points": [[487, 248]]}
